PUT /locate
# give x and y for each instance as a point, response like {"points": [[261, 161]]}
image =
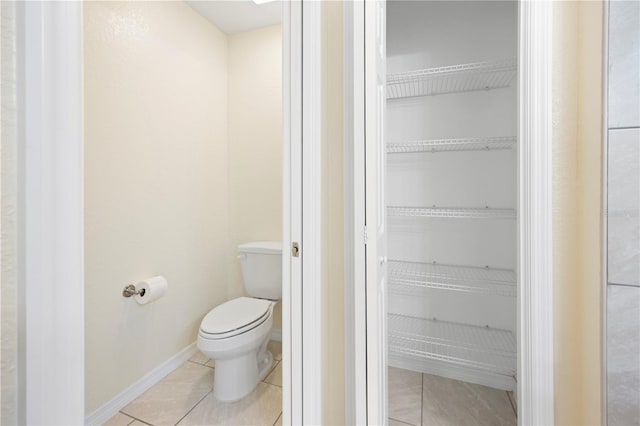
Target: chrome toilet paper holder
{"points": [[131, 290]]}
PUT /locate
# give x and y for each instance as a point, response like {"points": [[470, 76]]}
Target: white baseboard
{"points": [[111, 408], [276, 334]]}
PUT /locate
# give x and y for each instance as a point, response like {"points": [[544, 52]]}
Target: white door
{"points": [[375, 206]]}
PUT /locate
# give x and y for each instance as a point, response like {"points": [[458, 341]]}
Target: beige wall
{"points": [[565, 227], [577, 189], [183, 161], [255, 143], [590, 191], [156, 184]]}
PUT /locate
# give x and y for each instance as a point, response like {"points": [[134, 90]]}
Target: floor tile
{"points": [[276, 349], [261, 407], [405, 395], [451, 402], [275, 377], [211, 363], [119, 420], [169, 400], [199, 358], [138, 423]]}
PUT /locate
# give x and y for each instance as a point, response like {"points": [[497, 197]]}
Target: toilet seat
{"points": [[235, 317]]}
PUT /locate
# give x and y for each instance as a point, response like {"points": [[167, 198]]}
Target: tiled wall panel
{"points": [[624, 207], [623, 215], [623, 356], [624, 64]]}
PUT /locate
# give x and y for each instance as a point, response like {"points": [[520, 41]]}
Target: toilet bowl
{"points": [[236, 333]]}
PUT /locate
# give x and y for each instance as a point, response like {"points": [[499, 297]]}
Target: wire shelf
{"points": [[481, 348], [451, 79], [448, 145], [451, 213], [412, 277]]}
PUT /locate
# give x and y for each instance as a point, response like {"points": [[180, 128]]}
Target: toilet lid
{"points": [[234, 314]]}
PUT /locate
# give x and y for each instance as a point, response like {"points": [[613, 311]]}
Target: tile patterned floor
{"points": [[184, 397], [418, 399]]}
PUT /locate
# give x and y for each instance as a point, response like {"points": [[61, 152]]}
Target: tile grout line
{"points": [[134, 419], [623, 128], [198, 363], [203, 365], [270, 373], [513, 407], [192, 408], [400, 421], [274, 423], [269, 384]]}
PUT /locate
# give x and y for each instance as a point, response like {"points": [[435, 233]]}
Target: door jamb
{"points": [[51, 216], [292, 211], [303, 192], [535, 224], [311, 239], [354, 225]]}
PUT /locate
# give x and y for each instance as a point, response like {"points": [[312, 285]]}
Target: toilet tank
{"points": [[261, 263]]}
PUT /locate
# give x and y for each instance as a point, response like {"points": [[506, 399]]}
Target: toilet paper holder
{"points": [[131, 290]]}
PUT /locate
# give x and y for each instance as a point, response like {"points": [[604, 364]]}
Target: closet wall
{"points": [[452, 189]]}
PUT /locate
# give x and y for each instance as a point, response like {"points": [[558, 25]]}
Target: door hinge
{"points": [[295, 249], [365, 236]]}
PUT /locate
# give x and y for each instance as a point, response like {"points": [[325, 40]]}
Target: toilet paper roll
{"points": [[154, 288]]}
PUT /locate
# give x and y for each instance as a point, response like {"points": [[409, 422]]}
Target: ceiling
{"points": [[235, 16]]}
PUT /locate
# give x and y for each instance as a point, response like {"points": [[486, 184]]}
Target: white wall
{"points": [[255, 144], [443, 33], [156, 183]]}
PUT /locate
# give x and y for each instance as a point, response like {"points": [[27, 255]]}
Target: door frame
{"points": [[51, 214], [302, 304], [604, 235], [535, 391]]}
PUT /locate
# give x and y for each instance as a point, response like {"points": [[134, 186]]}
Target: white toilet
{"points": [[235, 334]]}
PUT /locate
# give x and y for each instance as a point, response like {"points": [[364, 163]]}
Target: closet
{"points": [[451, 189]]}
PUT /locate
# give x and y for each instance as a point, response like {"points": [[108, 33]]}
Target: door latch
{"points": [[295, 249]]}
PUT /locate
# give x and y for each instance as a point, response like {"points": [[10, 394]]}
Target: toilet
{"points": [[235, 334]]}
